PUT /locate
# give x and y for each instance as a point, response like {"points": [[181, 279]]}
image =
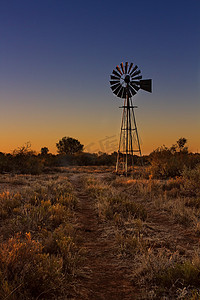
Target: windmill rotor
{"points": [[126, 79]]}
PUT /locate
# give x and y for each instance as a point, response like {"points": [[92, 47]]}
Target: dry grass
{"points": [[125, 215], [180, 196], [162, 272], [39, 256], [149, 219]]}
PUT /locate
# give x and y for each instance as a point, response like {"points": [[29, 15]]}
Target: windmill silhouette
{"points": [[126, 80]]}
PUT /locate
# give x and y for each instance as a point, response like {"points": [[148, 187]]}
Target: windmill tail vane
{"points": [[125, 81]]}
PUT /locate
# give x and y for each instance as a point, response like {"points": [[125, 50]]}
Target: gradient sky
{"points": [[56, 58]]}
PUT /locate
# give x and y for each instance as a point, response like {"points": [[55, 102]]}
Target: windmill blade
{"points": [[122, 66], [114, 77], [126, 67], [133, 92], [118, 69], [117, 90], [134, 69], [138, 77], [130, 67], [114, 82], [124, 93], [135, 86], [120, 92], [136, 73], [146, 85], [117, 74], [113, 87]]}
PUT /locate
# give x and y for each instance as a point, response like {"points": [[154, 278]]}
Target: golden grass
{"points": [[37, 213], [39, 256]]}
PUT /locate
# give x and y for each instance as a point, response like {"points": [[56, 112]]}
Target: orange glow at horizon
{"points": [[97, 127], [93, 142]]}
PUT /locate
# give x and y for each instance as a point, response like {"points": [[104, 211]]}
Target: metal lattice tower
{"points": [[125, 83]]}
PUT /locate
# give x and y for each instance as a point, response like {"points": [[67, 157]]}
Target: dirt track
{"points": [[107, 278]]}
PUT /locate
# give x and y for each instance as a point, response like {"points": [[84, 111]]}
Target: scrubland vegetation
{"points": [[152, 217], [163, 267], [39, 258]]}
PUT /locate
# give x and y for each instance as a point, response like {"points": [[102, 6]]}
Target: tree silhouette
{"points": [[44, 151], [181, 144], [68, 145]]}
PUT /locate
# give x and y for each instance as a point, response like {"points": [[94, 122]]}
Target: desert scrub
{"points": [[28, 271], [39, 255], [168, 273], [124, 213], [146, 188], [153, 262], [150, 188], [63, 242], [111, 206], [45, 215], [179, 209], [57, 191], [130, 238], [130, 244], [168, 195], [95, 187], [35, 214], [180, 274], [191, 179], [9, 204]]}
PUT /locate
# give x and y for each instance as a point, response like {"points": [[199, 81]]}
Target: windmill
{"points": [[126, 80]]}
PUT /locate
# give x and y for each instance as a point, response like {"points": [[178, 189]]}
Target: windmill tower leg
{"points": [[136, 132], [121, 139], [128, 137]]}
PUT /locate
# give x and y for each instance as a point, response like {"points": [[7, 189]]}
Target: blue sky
{"points": [[56, 58]]}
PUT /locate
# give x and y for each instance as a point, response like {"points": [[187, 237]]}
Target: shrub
{"points": [[191, 179], [170, 162], [165, 164], [27, 164], [27, 270], [180, 274], [111, 206], [5, 162], [8, 203]]}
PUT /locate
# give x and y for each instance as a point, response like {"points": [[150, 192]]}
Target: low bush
{"points": [[170, 162], [27, 272], [9, 203], [179, 274], [191, 178], [121, 205]]}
